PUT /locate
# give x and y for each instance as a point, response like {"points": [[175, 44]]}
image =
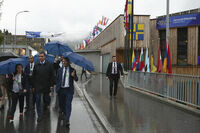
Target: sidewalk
{"points": [[132, 112], [82, 120]]}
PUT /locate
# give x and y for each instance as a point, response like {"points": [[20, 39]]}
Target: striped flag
{"points": [[153, 67], [159, 64], [133, 62], [142, 60], [147, 61], [167, 66]]}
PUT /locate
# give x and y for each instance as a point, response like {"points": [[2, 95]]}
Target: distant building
{"points": [[184, 40], [25, 46], [111, 40], [36, 43]]}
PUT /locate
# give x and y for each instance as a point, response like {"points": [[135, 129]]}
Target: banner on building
{"points": [[179, 21]]}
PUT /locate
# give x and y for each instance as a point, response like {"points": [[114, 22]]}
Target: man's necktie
{"points": [[63, 83]]}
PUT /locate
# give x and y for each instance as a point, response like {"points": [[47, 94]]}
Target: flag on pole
{"points": [[142, 60], [133, 62], [147, 61], [138, 62], [153, 67], [167, 66], [159, 64], [129, 7]]}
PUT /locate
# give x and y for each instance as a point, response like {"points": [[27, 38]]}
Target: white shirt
{"points": [[114, 68], [42, 62], [31, 67], [66, 78], [17, 83], [61, 64]]}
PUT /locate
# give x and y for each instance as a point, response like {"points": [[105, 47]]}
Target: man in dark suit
{"points": [[43, 77], [113, 74], [29, 73], [65, 88]]}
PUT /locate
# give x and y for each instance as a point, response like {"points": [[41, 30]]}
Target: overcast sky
{"points": [[77, 17]]}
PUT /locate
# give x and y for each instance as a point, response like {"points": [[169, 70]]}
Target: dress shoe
{"points": [[67, 123], [39, 119], [2, 107]]}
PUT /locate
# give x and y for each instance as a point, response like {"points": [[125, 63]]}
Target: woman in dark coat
{"points": [[17, 86]]}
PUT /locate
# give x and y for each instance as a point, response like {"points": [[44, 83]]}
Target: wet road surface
{"points": [[132, 112], [82, 120]]}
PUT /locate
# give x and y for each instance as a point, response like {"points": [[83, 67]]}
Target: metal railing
{"points": [[181, 88]]}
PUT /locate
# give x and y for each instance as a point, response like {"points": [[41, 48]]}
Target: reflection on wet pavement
{"points": [[81, 121], [132, 112]]}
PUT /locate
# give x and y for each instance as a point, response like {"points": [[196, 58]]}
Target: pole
{"points": [[4, 42], [15, 43], [167, 25], [132, 40]]}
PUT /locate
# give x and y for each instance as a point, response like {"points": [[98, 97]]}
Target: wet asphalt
{"points": [[132, 112], [82, 120]]}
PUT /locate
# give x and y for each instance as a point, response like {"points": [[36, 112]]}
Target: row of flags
{"points": [[97, 29], [139, 64]]}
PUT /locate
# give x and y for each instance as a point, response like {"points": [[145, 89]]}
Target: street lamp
{"points": [[16, 27]]}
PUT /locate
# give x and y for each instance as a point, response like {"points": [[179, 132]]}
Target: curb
{"points": [[163, 100], [106, 125]]}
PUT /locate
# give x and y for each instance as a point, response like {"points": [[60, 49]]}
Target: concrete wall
{"points": [[93, 56]]}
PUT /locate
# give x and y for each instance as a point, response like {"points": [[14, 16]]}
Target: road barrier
{"points": [[181, 88]]}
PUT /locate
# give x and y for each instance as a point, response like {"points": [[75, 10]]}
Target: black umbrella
{"points": [[7, 55]]}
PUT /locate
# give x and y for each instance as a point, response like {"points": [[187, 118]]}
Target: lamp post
{"points": [[16, 27]]}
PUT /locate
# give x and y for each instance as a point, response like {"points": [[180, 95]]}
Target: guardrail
{"points": [[181, 88]]}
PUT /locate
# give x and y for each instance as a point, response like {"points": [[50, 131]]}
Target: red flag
{"points": [[159, 64], [169, 60]]}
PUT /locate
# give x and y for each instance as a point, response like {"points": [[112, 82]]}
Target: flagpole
{"points": [[167, 25], [132, 27]]}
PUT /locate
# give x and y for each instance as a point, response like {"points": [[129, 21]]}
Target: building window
{"points": [[182, 46], [199, 46], [162, 36]]}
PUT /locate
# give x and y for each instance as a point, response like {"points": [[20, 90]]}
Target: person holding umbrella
{"points": [[17, 86], [43, 77], [65, 88]]}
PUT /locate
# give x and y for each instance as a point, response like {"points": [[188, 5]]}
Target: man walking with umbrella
{"points": [[65, 88], [43, 77]]}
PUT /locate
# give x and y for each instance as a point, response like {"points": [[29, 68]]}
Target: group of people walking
{"points": [[39, 79]]}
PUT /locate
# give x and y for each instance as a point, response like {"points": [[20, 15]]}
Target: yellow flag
{"points": [[153, 67], [129, 7]]}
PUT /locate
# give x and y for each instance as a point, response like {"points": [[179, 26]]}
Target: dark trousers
{"points": [[15, 98], [65, 99], [46, 100], [113, 80], [28, 96], [84, 72], [34, 99]]}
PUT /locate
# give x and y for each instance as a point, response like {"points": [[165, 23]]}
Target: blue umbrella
{"points": [[49, 58], [57, 48], [8, 66], [79, 60]]}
